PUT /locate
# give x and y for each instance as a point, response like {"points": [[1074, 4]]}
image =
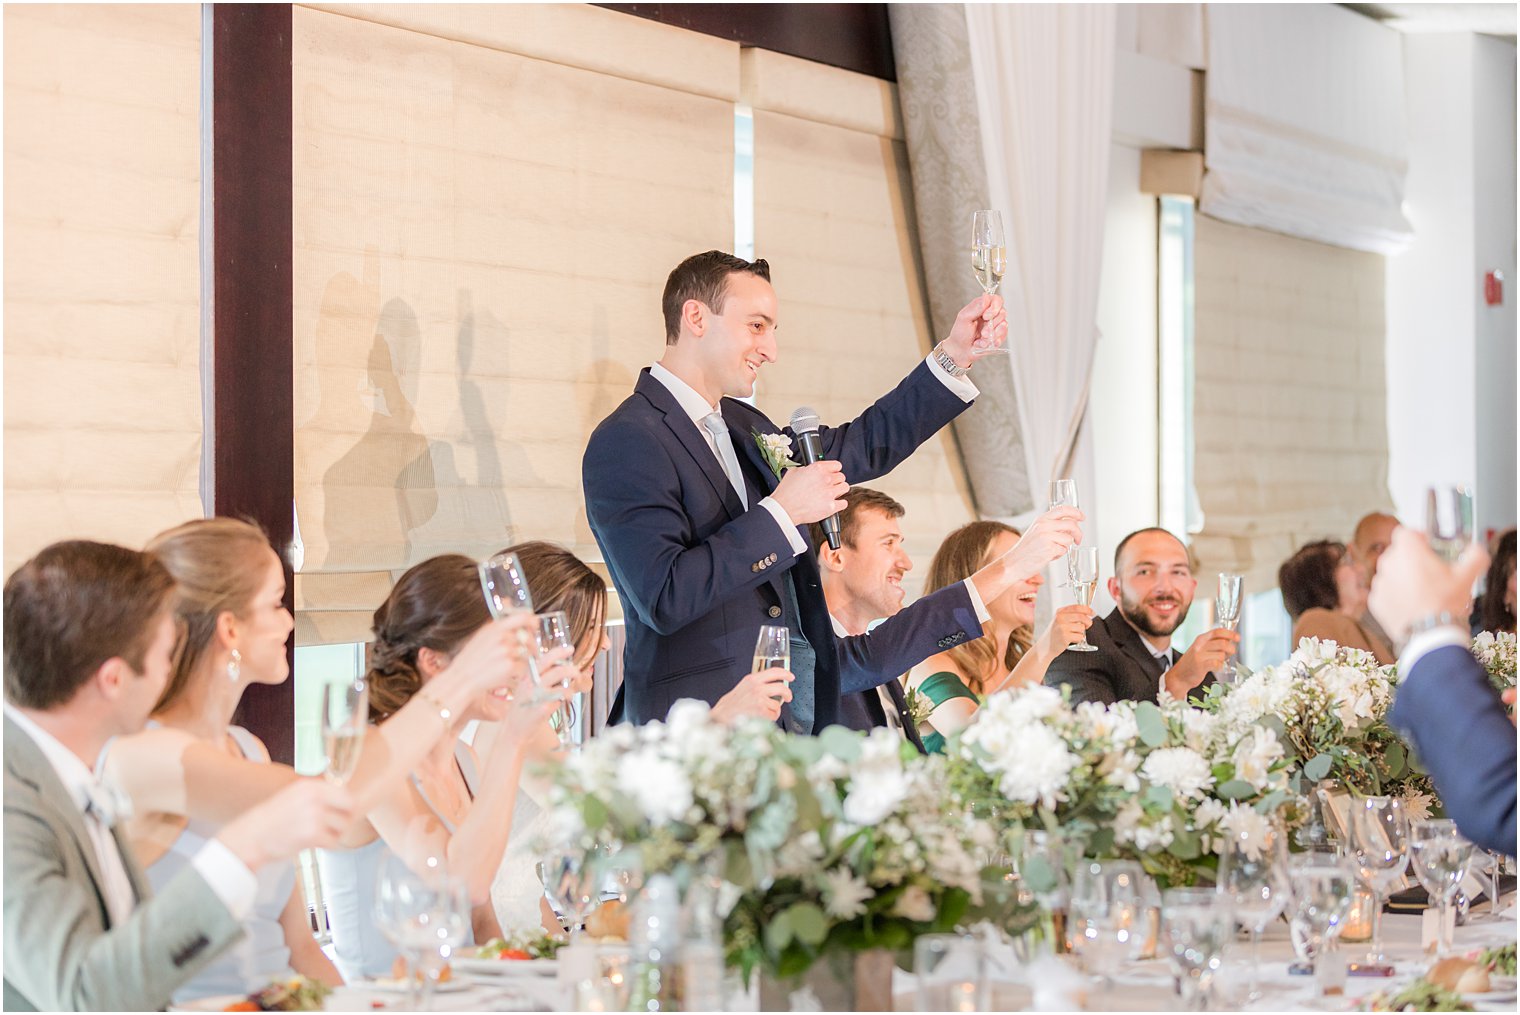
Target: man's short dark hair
{"points": [[1307, 578], [704, 278], [1119, 550], [72, 607], [856, 499]]}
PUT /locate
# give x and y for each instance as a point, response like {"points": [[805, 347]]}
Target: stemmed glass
{"points": [[1107, 918], [506, 589], [1082, 568], [1063, 493], [989, 260], [425, 916], [1253, 876], [345, 717], [1378, 841], [1494, 868], [1319, 899], [1449, 520], [1199, 924], [1439, 856], [952, 973], [553, 633], [1227, 616], [773, 648], [572, 880]]}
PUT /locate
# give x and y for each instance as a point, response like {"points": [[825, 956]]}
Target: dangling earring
{"points": [[235, 666]]}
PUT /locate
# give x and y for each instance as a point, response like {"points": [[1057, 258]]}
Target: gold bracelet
{"points": [[444, 712]]}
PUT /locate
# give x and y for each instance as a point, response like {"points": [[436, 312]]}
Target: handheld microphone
{"points": [[805, 426]]}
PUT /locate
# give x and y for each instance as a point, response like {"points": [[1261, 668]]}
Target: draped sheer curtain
{"points": [[1011, 107]]}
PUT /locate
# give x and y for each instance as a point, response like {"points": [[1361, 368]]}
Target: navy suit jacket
{"points": [[1122, 669], [699, 574], [1451, 714]]}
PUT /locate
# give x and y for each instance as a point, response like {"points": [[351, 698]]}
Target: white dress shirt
{"points": [[228, 876], [697, 408]]}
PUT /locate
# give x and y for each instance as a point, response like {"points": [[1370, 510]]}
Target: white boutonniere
{"points": [[777, 451], [919, 706]]}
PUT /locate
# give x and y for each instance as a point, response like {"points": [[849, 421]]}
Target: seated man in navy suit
{"points": [[706, 542], [1445, 705]]}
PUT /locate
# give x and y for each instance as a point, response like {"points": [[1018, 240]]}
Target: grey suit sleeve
{"points": [[1085, 673], [58, 954]]}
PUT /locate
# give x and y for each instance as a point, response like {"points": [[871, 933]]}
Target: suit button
{"points": [[774, 611]]}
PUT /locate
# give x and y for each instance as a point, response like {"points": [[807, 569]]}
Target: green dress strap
{"points": [[939, 688]]}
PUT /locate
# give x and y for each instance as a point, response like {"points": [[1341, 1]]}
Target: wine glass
{"points": [[1378, 841], [1439, 857], [952, 973], [989, 260], [1082, 568], [1199, 924], [506, 589], [1449, 520], [345, 718], [1107, 915], [426, 916], [1319, 897], [553, 633], [1253, 876], [572, 880], [1227, 616]]}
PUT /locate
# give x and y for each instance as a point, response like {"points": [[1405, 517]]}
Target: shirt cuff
{"points": [[229, 878], [799, 546], [961, 386], [982, 613], [1424, 642]]}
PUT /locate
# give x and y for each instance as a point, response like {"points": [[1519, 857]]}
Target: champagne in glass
{"points": [[1227, 616], [1439, 857], [989, 260], [553, 633], [1449, 520], [1082, 567], [345, 718], [1063, 493], [773, 648], [1378, 838]]}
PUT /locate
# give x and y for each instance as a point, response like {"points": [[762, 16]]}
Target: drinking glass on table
{"points": [[989, 260], [1253, 877], [345, 718], [1198, 923], [1106, 917], [1439, 857], [426, 916], [1378, 843], [1082, 568], [1319, 897], [1227, 616], [951, 970], [573, 883], [1449, 520]]}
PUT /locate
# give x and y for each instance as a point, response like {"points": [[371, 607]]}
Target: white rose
{"points": [[1180, 768]]}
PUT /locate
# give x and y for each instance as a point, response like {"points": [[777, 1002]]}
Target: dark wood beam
{"points": [[252, 242]]}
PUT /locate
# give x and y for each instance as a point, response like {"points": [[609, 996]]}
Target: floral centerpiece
{"points": [[837, 843], [1497, 654], [1328, 704], [1159, 784]]}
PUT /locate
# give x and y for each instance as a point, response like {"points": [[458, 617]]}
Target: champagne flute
{"points": [[1439, 857], [1063, 493], [1449, 520], [1379, 846], [1227, 616], [553, 633], [345, 718], [1253, 877], [506, 589], [989, 260], [773, 648], [1082, 567]]}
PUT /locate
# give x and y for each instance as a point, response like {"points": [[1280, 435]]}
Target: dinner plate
{"points": [[505, 967], [390, 986], [218, 1002]]}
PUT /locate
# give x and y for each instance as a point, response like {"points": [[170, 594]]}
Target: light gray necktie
{"points": [[724, 442]]}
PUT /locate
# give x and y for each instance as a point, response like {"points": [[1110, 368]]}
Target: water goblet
{"points": [[1319, 897], [1198, 923], [426, 915], [1439, 857], [1106, 919], [951, 970], [572, 881], [1253, 877], [1378, 843]]}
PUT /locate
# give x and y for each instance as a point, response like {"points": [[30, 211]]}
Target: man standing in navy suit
{"points": [[706, 543]]}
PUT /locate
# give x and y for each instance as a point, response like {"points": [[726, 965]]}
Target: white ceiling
{"points": [[1489, 19]]}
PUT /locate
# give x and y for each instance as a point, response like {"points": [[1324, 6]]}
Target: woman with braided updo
{"points": [[192, 771], [453, 807]]}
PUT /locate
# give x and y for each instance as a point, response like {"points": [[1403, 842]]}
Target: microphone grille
{"points": [[805, 419]]}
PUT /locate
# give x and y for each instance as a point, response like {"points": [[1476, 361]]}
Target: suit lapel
{"points": [[745, 442], [1130, 643], [691, 439], [900, 702], [27, 763]]}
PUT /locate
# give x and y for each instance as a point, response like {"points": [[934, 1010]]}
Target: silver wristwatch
{"points": [[952, 368]]}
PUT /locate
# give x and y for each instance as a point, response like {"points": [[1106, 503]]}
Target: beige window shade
{"points": [[1289, 399], [102, 273], [834, 215], [481, 239]]}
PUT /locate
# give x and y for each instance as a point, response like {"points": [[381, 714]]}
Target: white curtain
{"points": [[1044, 77]]}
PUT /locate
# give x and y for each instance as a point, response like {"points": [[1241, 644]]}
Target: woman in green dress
{"points": [[1007, 655]]}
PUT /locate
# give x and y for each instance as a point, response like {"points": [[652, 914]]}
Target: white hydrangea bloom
{"points": [[1245, 826], [878, 783], [1036, 770], [658, 785], [1181, 768], [1255, 755]]}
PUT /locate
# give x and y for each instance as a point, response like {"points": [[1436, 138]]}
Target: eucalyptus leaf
{"points": [[1159, 796], [807, 922], [1151, 723], [1038, 874], [1394, 757], [1317, 767], [1187, 845], [843, 743], [1236, 789]]}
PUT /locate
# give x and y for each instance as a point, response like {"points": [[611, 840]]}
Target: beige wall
{"points": [[102, 273], [1290, 434]]}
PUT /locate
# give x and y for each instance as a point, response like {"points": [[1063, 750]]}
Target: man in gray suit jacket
{"points": [[89, 635], [1153, 585]]}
